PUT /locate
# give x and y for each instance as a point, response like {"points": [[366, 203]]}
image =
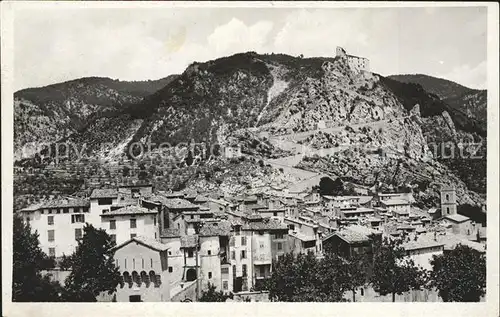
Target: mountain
{"points": [[373, 129], [472, 102], [51, 113], [442, 88]]}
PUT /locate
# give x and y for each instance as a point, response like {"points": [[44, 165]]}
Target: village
{"points": [[170, 245], [174, 242]]}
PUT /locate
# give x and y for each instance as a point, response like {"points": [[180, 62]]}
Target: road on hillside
{"points": [[288, 142]]}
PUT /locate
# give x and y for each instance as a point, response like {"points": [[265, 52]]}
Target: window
{"points": [[113, 237], [224, 270], [291, 227], [156, 236], [243, 254], [78, 233], [154, 220], [362, 292], [51, 235], [112, 224], [233, 255], [170, 269], [262, 269], [153, 278], [225, 285], [209, 275], [261, 245], [169, 252], [192, 216], [50, 220], [142, 263], [231, 241], [209, 252], [275, 213], [151, 262], [133, 223], [28, 220], [280, 246], [52, 252], [278, 236], [104, 201], [234, 270], [243, 240], [133, 235], [125, 261], [447, 197], [244, 269], [190, 253], [78, 218], [447, 210]]}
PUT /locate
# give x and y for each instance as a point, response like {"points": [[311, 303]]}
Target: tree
{"points": [[28, 283], [261, 163], [459, 275], [329, 187], [152, 170], [142, 175], [356, 273], [189, 158], [304, 278], [211, 295], [93, 267], [126, 171], [394, 273]]}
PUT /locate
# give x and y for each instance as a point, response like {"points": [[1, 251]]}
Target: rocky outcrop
{"points": [[472, 102]]}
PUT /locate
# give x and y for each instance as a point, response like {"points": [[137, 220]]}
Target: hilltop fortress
{"points": [[356, 63]]}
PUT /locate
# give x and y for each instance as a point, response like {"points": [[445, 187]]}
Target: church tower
{"points": [[448, 200]]}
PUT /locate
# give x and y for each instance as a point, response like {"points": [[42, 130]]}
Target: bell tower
{"points": [[448, 200]]}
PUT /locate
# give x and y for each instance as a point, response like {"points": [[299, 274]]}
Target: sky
{"points": [[55, 45]]}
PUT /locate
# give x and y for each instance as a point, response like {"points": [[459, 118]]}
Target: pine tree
{"points": [[93, 267]]}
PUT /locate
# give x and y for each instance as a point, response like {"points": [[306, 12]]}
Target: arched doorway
{"points": [[191, 275]]}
